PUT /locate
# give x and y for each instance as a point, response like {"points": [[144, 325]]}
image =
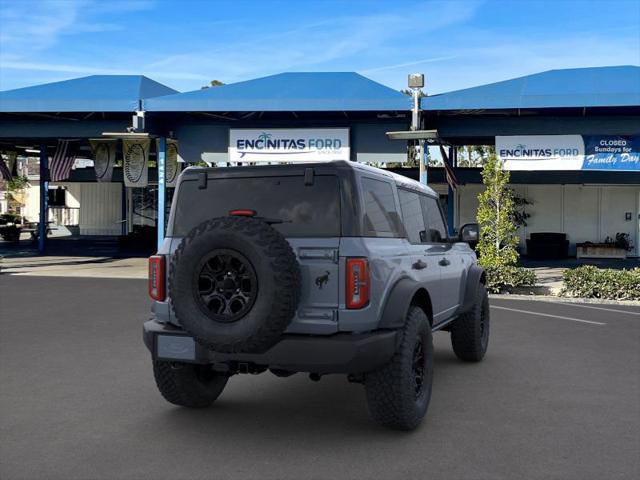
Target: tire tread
{"points": [[465, 330], [389, 400], [180, 386]]}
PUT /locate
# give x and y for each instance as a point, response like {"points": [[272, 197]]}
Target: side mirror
{"points": [[470, 233], [435, 236]]}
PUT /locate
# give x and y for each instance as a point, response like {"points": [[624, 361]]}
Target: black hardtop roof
{"points": [[319, 168]]}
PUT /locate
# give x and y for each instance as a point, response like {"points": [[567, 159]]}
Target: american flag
{"points": [[62, 161], [448, 170], [4, 170]]}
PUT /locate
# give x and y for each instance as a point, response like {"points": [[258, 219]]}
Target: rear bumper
{"points": [[338, 353]]}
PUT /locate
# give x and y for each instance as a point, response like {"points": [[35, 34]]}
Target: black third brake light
{"points": [[242, 212]]}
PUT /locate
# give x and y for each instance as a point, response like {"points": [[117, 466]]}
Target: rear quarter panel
{"points": [[389, 261]]}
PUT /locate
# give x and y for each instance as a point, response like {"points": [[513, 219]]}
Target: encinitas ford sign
{"points": [[569, 152], [289, 144], [541, 152]]}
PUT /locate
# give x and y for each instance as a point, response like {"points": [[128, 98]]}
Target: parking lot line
{"points": [[530, 312], [570, 304]]}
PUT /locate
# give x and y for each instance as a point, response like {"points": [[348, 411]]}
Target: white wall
{"points": [[32, 202], [583, 212], [100, 208], [581, 215], [73, 195], [614, 203]]}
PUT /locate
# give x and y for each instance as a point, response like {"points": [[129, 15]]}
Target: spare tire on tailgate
{"points": [[234, 284]]}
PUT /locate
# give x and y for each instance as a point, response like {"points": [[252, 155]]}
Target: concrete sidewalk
{"points": [[549, 280], [60, 266]]}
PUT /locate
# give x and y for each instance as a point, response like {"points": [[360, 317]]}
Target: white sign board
{"points": [[289, 144], [541, 152]]}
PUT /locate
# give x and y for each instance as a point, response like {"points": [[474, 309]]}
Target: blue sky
{"points": [[184, 44]]}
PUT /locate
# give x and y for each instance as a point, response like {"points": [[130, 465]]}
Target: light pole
{"points": [[416, 83]]}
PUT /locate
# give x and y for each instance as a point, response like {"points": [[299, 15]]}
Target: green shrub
{"points": [[502, 277], [592, 282]]}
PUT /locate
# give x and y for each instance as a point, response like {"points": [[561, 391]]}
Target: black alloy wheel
{"points": [[226, 287]]}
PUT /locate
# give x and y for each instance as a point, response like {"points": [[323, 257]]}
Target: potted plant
{"points": [[617, 247]]}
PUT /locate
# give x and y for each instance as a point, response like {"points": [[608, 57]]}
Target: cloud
{"points": [[30, 27], [453, 42], [247, 49], [346, 39], [511, 56], [409, 64], [89, 70]]}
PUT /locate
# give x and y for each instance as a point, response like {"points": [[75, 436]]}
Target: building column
{"points": [[162, 190], [453, 159], [44, 199], [424, 159]]}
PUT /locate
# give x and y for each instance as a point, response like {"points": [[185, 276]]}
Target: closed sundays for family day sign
{"points": [[569, 152], [288, 144]]}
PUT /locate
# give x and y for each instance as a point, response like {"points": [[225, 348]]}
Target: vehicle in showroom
{"points": [[321, 268]]}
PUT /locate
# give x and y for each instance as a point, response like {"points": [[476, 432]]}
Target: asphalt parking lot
{"points": [[558, 396]]}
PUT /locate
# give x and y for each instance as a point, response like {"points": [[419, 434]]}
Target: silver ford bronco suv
{"points": [[322, 268]]}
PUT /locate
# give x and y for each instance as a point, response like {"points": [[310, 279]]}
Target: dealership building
{"points": [[571, 139]]}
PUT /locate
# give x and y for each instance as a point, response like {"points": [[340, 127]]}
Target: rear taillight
{"points": [[357, 282], [157, 277]]}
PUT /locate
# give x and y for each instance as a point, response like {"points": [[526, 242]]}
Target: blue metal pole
{"points": [[453, 157], [424, 160], [162, 191], [44, 199]]}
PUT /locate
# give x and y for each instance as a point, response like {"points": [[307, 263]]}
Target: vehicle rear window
{"points": [[305, 210], [433, 219], [381, 218], [412, 215]]}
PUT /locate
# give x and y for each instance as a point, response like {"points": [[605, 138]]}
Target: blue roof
{"points": [[96, 93], [577, 87], [307, 91]]}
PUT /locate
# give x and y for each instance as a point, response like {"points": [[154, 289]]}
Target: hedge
{"points": [[591, 282], [501, 278]]}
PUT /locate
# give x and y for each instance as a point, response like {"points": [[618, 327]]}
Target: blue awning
{"points": [[577, 87], [288, 92], [96, 93]]}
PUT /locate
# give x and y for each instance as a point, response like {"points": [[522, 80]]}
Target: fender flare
{"points": [[475, 275], [397, 305]]}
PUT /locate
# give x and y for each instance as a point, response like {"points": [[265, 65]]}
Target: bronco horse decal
{"points": [[322, 280]]}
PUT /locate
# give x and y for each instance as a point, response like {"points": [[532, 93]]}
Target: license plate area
{"points": [[175, 347]]}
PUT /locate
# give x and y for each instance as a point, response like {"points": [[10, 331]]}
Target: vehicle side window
{"points": [[412, 215], [436, 229], [381, 218]]}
